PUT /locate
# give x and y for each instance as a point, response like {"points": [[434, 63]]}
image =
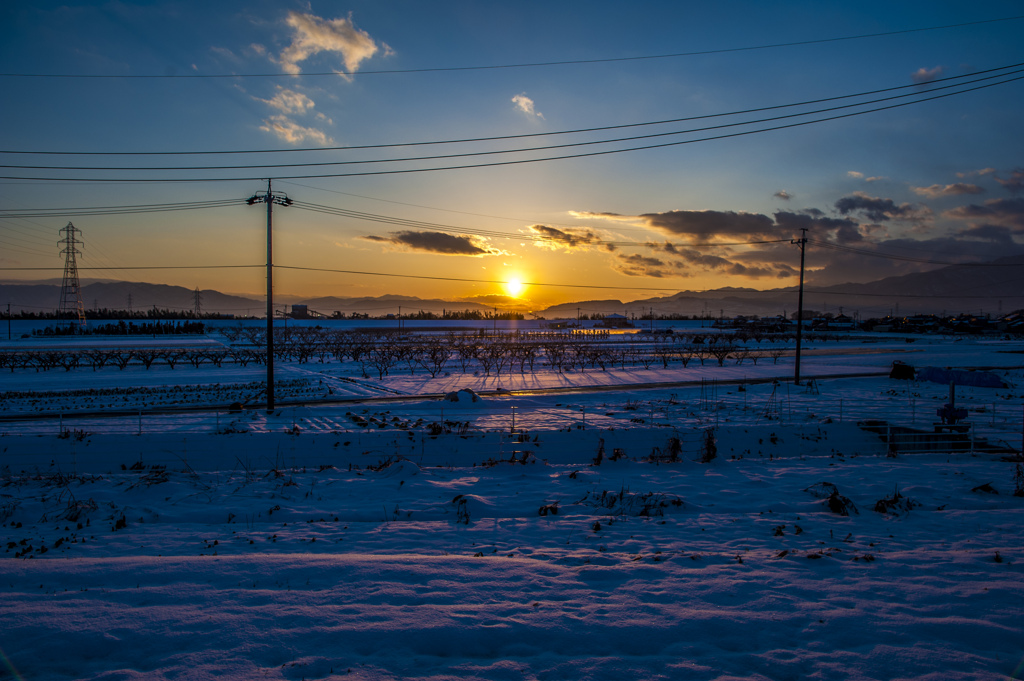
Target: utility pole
{"points": [[270, 199], [802, 243], [8, 321]]}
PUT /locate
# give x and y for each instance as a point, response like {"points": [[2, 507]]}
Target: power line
{"points": [[116, 210], [134, 267], [443, 69], [975, 76], [416, 205], [32, 236], [512, 162], [549, 147], [608, 287], [574, 238], [471, 281]]}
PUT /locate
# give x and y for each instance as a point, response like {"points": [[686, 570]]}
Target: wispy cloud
{"points": [[636, 265], [973, 173], [289, 102], [783, 194], [312, 35], [565, 239], [1015, 183], [923, 75], [289, 131], [526, 105], [435, 242], [958, 189]]}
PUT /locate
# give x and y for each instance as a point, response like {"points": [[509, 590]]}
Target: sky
{"points": [[881, 193]]}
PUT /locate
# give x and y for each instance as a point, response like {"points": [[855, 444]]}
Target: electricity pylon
{"points": [[198, 302], [71, 306]]}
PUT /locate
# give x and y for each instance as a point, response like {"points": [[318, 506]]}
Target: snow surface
{"points": [[358, 540]]}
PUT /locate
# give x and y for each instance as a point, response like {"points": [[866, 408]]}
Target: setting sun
{"points": [[513, 287]]}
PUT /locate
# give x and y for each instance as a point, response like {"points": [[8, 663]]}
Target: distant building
{"points": [[299, 312], [615, 321]]}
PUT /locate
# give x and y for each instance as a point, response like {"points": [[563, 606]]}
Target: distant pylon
{"points": [[71, 306], [199, 302]]}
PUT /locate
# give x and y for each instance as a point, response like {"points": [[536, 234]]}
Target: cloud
{"points": [[958, 189], [312, 35], [497, 300], [611, 217], [525, 104], [854, 173], [705, 224], [814, 221], [435, 242], [740, 270], [783, 194], [994, 233], [1015, 183], [879, 209], [972, 173], [1005, 212], [687, 260], [289, 102], [224, 53], [567, 239], [637, 265], [923, 75], [289, 131]]}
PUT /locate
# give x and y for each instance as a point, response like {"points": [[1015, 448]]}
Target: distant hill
{"points": [[114, 296], [960, 288]]}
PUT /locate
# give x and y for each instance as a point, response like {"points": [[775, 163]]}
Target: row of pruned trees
{"points": [[98, 358], [385, 352]]}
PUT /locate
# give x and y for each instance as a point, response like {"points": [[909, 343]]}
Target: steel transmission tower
{"points": [[198, 302], [71, 306]]}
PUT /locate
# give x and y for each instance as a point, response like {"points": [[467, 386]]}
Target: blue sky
{"points": [[938, 180]]}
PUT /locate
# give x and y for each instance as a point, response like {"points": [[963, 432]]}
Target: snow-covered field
{"points": [[561, 527]]}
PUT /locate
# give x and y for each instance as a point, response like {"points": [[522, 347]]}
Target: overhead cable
{"points": [[917, 87], [522, 150], [493, 164]]}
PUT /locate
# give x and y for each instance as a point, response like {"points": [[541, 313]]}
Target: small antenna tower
{"points": [[71, 306], [198, 302]]}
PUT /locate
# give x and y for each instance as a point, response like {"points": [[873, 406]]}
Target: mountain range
{"points": [[994, 287]]}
